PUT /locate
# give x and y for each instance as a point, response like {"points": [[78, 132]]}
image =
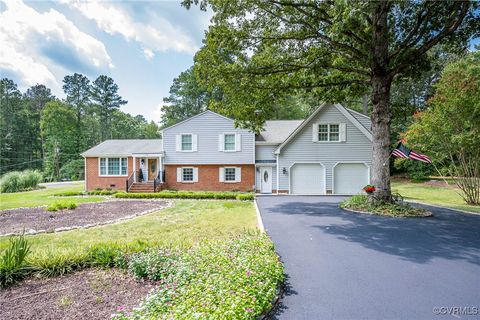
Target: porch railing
{"points": [[130, 181], [158, 181]]}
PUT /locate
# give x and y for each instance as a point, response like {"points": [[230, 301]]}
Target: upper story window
{"points": [[187, 142], [229, 143], [113, 166], [329, 132]]}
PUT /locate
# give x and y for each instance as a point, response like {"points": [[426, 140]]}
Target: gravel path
{"points": [[35, 220], [87, 294]]}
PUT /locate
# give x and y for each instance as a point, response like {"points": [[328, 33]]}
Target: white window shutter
{"points": [[178, 142], [195, 174], [238, 174], [179, 174], [194, 142], [238, 142], [343, 131], [221, 142], [221, 174], [315, 132]]}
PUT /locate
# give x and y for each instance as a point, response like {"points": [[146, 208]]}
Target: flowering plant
{"points": [[369, 188]]}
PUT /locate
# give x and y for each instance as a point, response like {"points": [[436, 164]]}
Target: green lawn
{"points": [[432, 195], [182, 225], [42, 197]]}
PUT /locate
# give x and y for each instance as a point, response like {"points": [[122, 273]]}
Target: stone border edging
{"points": [[169, 204], [259, 217], [384, 215]]}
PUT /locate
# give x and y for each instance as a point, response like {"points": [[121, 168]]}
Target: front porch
{"points": [[148, 174]]}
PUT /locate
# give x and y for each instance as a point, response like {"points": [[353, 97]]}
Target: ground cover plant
{"points": [[12, 261], [395, 209], [61, 205], [16, 181], [168, 194], [43, 197], [233, 279]]}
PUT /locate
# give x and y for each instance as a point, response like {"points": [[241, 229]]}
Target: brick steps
{"points": [[143, 187]]}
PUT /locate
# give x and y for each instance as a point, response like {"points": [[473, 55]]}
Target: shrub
{"points": [[396, 209], [233, 279], [246, 197], [57, 263], [69, 194], [12, 263], [74, 170], [102, 192], [60, 205], [105, 255], [16, 181], [188, 195]]}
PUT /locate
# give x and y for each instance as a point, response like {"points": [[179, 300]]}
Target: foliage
{"points": [[60, 205], [12, 262], [396, 209], [102, 192], [187, 195], [236, 279], [16, 181], [74, 170], [416, 170], [69, 194], [449, 130]]}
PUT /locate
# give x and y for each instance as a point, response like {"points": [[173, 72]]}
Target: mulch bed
{"points": [[35, 220], [87, 294]]}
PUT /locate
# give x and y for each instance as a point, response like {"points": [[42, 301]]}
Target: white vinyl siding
{"points": [[209, 129], [113, 166], [356, 148], [187, 174], [230, 174]]}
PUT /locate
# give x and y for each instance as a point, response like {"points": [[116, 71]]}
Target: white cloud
{"points": [[24, 31], [113, 20], [156, 112], [148, 54]]}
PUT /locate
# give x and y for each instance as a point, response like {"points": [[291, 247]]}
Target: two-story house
{"points": [[329, 152]]}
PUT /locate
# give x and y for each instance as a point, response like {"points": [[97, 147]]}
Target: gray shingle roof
{"points": [[276, 131], [125, 147]]}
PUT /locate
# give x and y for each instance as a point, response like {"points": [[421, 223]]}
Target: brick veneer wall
{"points": [[94, 181], [208, 179]]}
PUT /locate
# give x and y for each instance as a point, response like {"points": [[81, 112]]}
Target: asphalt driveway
{"points": [[343, 265]]}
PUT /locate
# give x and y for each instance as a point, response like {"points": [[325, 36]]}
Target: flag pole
{"points": [[445, 180], [388, 158]]}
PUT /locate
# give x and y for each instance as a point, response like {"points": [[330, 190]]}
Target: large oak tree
{"points": [[258, 50]]}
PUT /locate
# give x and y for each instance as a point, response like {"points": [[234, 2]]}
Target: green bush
{"points": [[102, 192], [12, 263], [62, 204], [188, 195], [74, 170], [234, 279], [395, 209], [16, 181], [415, 170], [69, 194]]}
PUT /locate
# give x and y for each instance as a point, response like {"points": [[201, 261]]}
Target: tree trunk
{"points": [[381, 116]]}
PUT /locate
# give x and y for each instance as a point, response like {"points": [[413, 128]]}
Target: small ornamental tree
{"points": [[449, 130]]}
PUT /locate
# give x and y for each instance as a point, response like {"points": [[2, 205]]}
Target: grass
{"points": [[182, 225], [441, 196], [41, 197]]}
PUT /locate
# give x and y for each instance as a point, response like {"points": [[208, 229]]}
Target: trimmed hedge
{"points": [[188, 195], [98, 192]]}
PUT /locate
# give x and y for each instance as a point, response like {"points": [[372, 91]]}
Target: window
{"points": [[113, 166], [229, 140], [187, 174], [329, 132], [230, 175], [187, 144]]}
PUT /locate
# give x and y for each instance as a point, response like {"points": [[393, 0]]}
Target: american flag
{"points": [[403, 152]]}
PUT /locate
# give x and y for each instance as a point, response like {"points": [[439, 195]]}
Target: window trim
{"points": [[106, 167], [234, 175], [328, 132], [234, 142], [193, 175], [181, 142]]}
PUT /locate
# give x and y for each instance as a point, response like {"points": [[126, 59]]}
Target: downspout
{"points": [[278, 172], [85, 172]]}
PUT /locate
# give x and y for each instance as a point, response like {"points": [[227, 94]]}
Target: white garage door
{"points": [[307, 178], [350, 178]]}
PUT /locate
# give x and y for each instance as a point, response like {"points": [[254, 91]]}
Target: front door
{"points": [[266, 179], [152, 169]]}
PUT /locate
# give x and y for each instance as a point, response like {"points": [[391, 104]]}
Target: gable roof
{"points": [[276, 131], [125, 147], [340, 108], [196, 116]]}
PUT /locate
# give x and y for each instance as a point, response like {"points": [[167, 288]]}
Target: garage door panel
{"points": [[350, 178], [307, 178]]}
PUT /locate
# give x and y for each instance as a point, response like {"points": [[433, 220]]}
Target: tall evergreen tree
{"points": [[104, 93]]}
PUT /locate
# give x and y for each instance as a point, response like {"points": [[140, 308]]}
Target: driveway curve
{"points": [[343, 265]]}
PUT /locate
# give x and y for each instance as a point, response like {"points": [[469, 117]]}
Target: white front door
{"points": [[266, 179]]}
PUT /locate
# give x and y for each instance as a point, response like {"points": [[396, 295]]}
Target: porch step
{"points": [[143, 187]]}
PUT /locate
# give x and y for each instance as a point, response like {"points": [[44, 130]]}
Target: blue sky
{"points": [[141, 45]]}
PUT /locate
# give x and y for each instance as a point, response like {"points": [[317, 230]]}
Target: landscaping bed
{"points": [[87, 294], [361, 204], [35, 220]]}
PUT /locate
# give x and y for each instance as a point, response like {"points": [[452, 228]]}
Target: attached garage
{"points": [[350, 178], [307, 178]]}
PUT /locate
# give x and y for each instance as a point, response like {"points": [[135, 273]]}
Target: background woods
{"points": [[40, 131]]}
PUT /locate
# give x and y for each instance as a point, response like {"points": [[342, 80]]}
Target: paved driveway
{"points": [[342, 265]]}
